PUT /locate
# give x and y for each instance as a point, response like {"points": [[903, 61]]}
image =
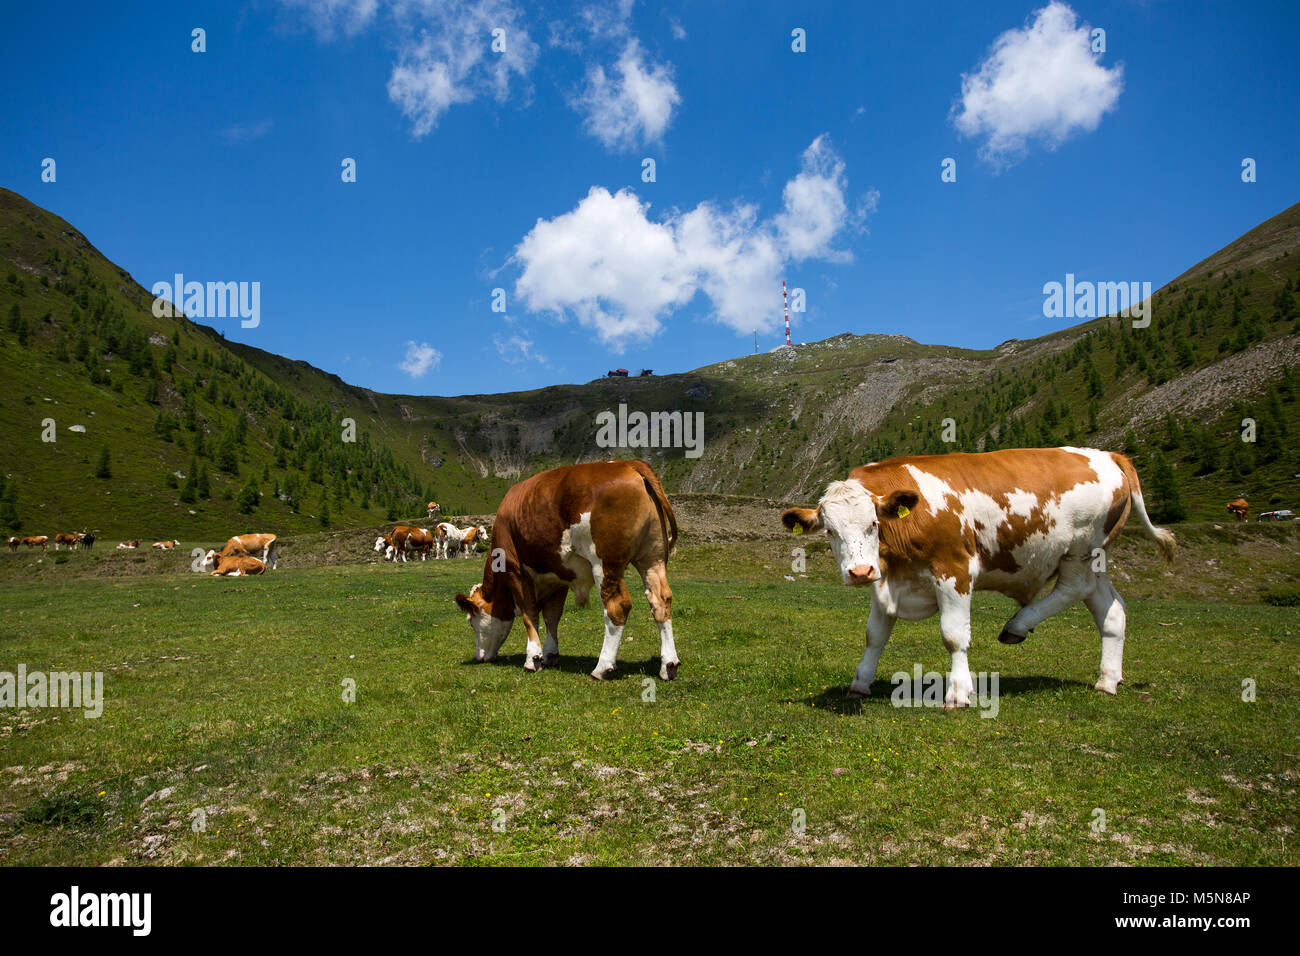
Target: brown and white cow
{"points": [[13, 543], [36, 541], [166, 545], [69, 541], [469, 539], [434, 508], [446, 538], [260, 546], [1240, 508], [129, 544], [403, 539], [926, 532], [236, 565], [576, 528]]}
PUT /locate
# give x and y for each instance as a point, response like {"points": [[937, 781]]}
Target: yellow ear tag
{"points": [[903, 511], [797, 529]]}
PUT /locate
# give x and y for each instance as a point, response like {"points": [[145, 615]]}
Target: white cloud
{"points": [[1042, 82], [419, 359], [519, 349], [328, 16], [620, 273], [634, 105], [446, 57], [246, 132]]}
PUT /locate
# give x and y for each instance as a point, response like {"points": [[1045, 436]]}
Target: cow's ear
{"points": [[898, 504], [803, 519], [465, 604]]}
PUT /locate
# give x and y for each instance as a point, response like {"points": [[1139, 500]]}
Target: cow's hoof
{"points": [[1108, 686], [854, 694], [669, 671], [602, 673], [552, 660], [1010, 637], [530, 664]]}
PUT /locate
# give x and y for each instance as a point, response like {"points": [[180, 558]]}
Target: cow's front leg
{"points": [[879, 626], [954, 627], [618, 604]]}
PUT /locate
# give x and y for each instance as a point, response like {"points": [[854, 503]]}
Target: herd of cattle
{"points": [[79, 539], [922, 533]]}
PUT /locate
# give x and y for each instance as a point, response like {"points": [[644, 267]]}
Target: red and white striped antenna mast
{"points": [[785, 299]]}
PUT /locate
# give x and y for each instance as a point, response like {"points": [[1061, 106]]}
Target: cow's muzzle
{"points": [[862, 575]]}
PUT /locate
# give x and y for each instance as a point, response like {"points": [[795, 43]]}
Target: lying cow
{"points": [[1240, 508], [165, 545], [577, 527], [129, 544], [236, 565], [926, 532], [260, 546]]}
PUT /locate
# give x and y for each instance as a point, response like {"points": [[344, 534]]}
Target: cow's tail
{"points": [[1163, 537], [667, 517]]}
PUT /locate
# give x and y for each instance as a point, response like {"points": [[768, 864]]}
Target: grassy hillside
{"points": [[188, 435]]}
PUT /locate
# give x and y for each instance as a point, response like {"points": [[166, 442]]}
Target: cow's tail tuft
{"points": [[667, 517], [1163, 537]]}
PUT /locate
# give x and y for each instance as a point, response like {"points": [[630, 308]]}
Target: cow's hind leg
{"points": [[552, 608], [618, 604], [1075, 580], [879, 626], [1107, 609], [660, 596]]}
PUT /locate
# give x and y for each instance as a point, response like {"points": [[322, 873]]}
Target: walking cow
{"points": [[926, 532]]}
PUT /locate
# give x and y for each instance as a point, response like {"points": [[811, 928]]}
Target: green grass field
{"points": [[225, 696]]}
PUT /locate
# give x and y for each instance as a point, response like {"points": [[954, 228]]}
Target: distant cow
{"points": [[261, 546], [36, 541], [88, 540], [576, 527], [166, 545], [1240, 508], [469, 539], [446, 538], [927, 531], [13, 543], [66, 540], [237, 565], [433, 509], [129, 544], [402, 539]]}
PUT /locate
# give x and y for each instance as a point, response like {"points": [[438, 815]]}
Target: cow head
{"points": [[380, 543], [489, 632], [209, 562], [851, 516]]}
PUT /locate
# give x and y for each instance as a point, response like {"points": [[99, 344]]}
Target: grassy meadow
{"points": [[225, 737]]}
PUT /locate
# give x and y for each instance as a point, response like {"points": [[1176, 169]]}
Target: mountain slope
{"points": [[205, 436]]}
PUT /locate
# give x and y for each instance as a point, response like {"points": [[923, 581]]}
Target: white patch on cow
{"points": [[1021, 503], [578, 554]]}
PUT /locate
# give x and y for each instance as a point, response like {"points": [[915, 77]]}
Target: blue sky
{"points": [[522, 169]]}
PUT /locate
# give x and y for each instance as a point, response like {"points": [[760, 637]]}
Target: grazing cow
{"points": [[927, 531], [236, 565], [261, 546], [384, 546], [576, 527], [13, 543], [402, 539], [165, 545], [1240, 508], [129, 544], [433, 509], [469, 539], [68, 540], [447, 538], [36, 541]]}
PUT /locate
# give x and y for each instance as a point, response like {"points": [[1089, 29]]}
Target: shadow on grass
{"points": [[833, 699], [570, 664]]}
